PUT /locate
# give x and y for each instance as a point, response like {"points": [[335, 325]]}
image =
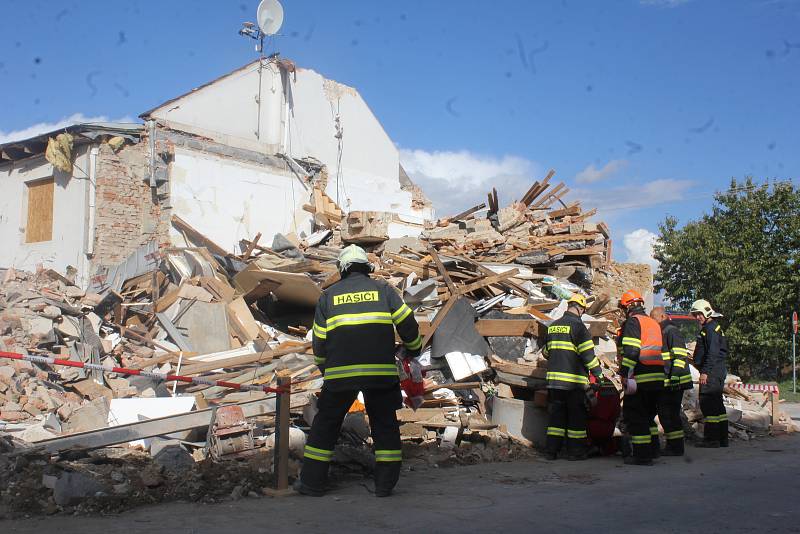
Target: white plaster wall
{"points": [[69, 216], [227, 200], [301, 124], [228, 111], [370, 161]]}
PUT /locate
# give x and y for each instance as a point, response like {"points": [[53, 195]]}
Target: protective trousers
{"points": [[669, 413], [716, 427], [567, 420], [381, 405], [638, 412]]}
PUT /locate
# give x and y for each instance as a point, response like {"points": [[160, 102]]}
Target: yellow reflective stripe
{"points": [[314, 453], [592, 364], [401, 313], [679, 351], [358, 318], [586, 345], [685, 379], [576, 434], [561, 345], [716, 329], [414, 345], [674, 435], [649, 377], [388, 455], [627, 362], [653, 430], [567, 377], [318, 360], [665, 356], [556, 431], [641, 440], [320, 332], [632, 342], [716, 418], [349, 371], [680, 364]]}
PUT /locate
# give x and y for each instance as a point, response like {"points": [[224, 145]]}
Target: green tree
{"points": [[744, 257]]}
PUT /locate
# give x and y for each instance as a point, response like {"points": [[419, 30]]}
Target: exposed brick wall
{"points": [[128, 213]]}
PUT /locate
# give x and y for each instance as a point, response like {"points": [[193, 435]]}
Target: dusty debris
{"points": [[483, 284]]}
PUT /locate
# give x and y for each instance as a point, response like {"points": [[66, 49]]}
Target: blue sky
{"points": [[644, 108]]}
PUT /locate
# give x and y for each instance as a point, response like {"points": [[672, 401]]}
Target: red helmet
{"points": [[630, 297]]}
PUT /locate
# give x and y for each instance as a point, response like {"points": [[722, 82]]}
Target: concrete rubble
{"points": [[483, 284]]}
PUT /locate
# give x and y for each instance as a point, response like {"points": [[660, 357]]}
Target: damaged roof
{"points": [[87, 131]]}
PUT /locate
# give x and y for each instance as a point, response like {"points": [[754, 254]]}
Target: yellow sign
{"points": [[355, 298], [558, 329]]}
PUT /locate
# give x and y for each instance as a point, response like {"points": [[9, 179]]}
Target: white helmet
{"points": [[350, 255], [702, 307]]}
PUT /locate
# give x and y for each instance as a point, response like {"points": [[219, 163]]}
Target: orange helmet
{"points": [[629, 297]]}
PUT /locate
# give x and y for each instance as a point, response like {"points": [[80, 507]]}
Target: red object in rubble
{"points": [[412, 384], [603, 419]]}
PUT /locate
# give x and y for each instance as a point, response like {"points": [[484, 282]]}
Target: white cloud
{"points": [[634, 195], [664, 3], [639, 246], [457, 180], [592, 174], [44, 127]]}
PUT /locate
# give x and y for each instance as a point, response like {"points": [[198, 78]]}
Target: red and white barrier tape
{"points": [[762, 388], [137, 372]]}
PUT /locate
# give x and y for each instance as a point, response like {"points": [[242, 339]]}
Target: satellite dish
{"points": [[269, 16]]}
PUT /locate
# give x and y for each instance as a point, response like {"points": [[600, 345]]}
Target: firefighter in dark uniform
{"points": [[354, 347], [710, 355], [679, 379], [570, 358], [642, 375]]}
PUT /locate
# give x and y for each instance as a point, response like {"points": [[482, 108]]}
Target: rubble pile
{"points": [[484, 284]]}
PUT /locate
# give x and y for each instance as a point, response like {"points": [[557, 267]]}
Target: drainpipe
{"points": [[91, 208], [92, 200]]}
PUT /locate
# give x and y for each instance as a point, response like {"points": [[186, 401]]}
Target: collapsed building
{"points": [[236, 156], [178, 282]]}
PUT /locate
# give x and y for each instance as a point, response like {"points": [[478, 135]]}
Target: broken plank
{"points": [[251, 247], [149, 428], [489, 280], [254, 357], [197, 237]]}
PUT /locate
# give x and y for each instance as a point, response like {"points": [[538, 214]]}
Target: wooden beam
{"points": [[236, 361], [198, 238], [441, 268], [437, 320], [251, 247], [489, 280]]}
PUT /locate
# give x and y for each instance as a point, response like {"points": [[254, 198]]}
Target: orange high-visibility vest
{"points": [[650, 351]]}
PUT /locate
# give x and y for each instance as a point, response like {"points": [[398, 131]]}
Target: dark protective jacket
{"points": [[679, 376], [642, 343], [710, 356], [353, 335], [570, 353]]}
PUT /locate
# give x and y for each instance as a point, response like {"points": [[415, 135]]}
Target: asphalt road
{"points": [[752, 486]]}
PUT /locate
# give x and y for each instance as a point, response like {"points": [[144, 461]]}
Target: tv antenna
{"points": [[269, 17]]}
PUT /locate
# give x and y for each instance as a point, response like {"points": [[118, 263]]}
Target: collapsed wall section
{"points": [[129, 213]]}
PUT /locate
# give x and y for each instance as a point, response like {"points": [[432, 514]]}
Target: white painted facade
{"points": [[262, 108], [70, 226], [229, 200]]}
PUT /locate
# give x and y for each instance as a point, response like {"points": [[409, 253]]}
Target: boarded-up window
{"points": [[40, 211]]}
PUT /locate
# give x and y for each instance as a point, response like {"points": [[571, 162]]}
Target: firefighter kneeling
{"points": [[354, 346], [570, 357]]}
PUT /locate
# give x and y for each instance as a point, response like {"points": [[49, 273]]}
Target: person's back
{"points": [[353, 340]]}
